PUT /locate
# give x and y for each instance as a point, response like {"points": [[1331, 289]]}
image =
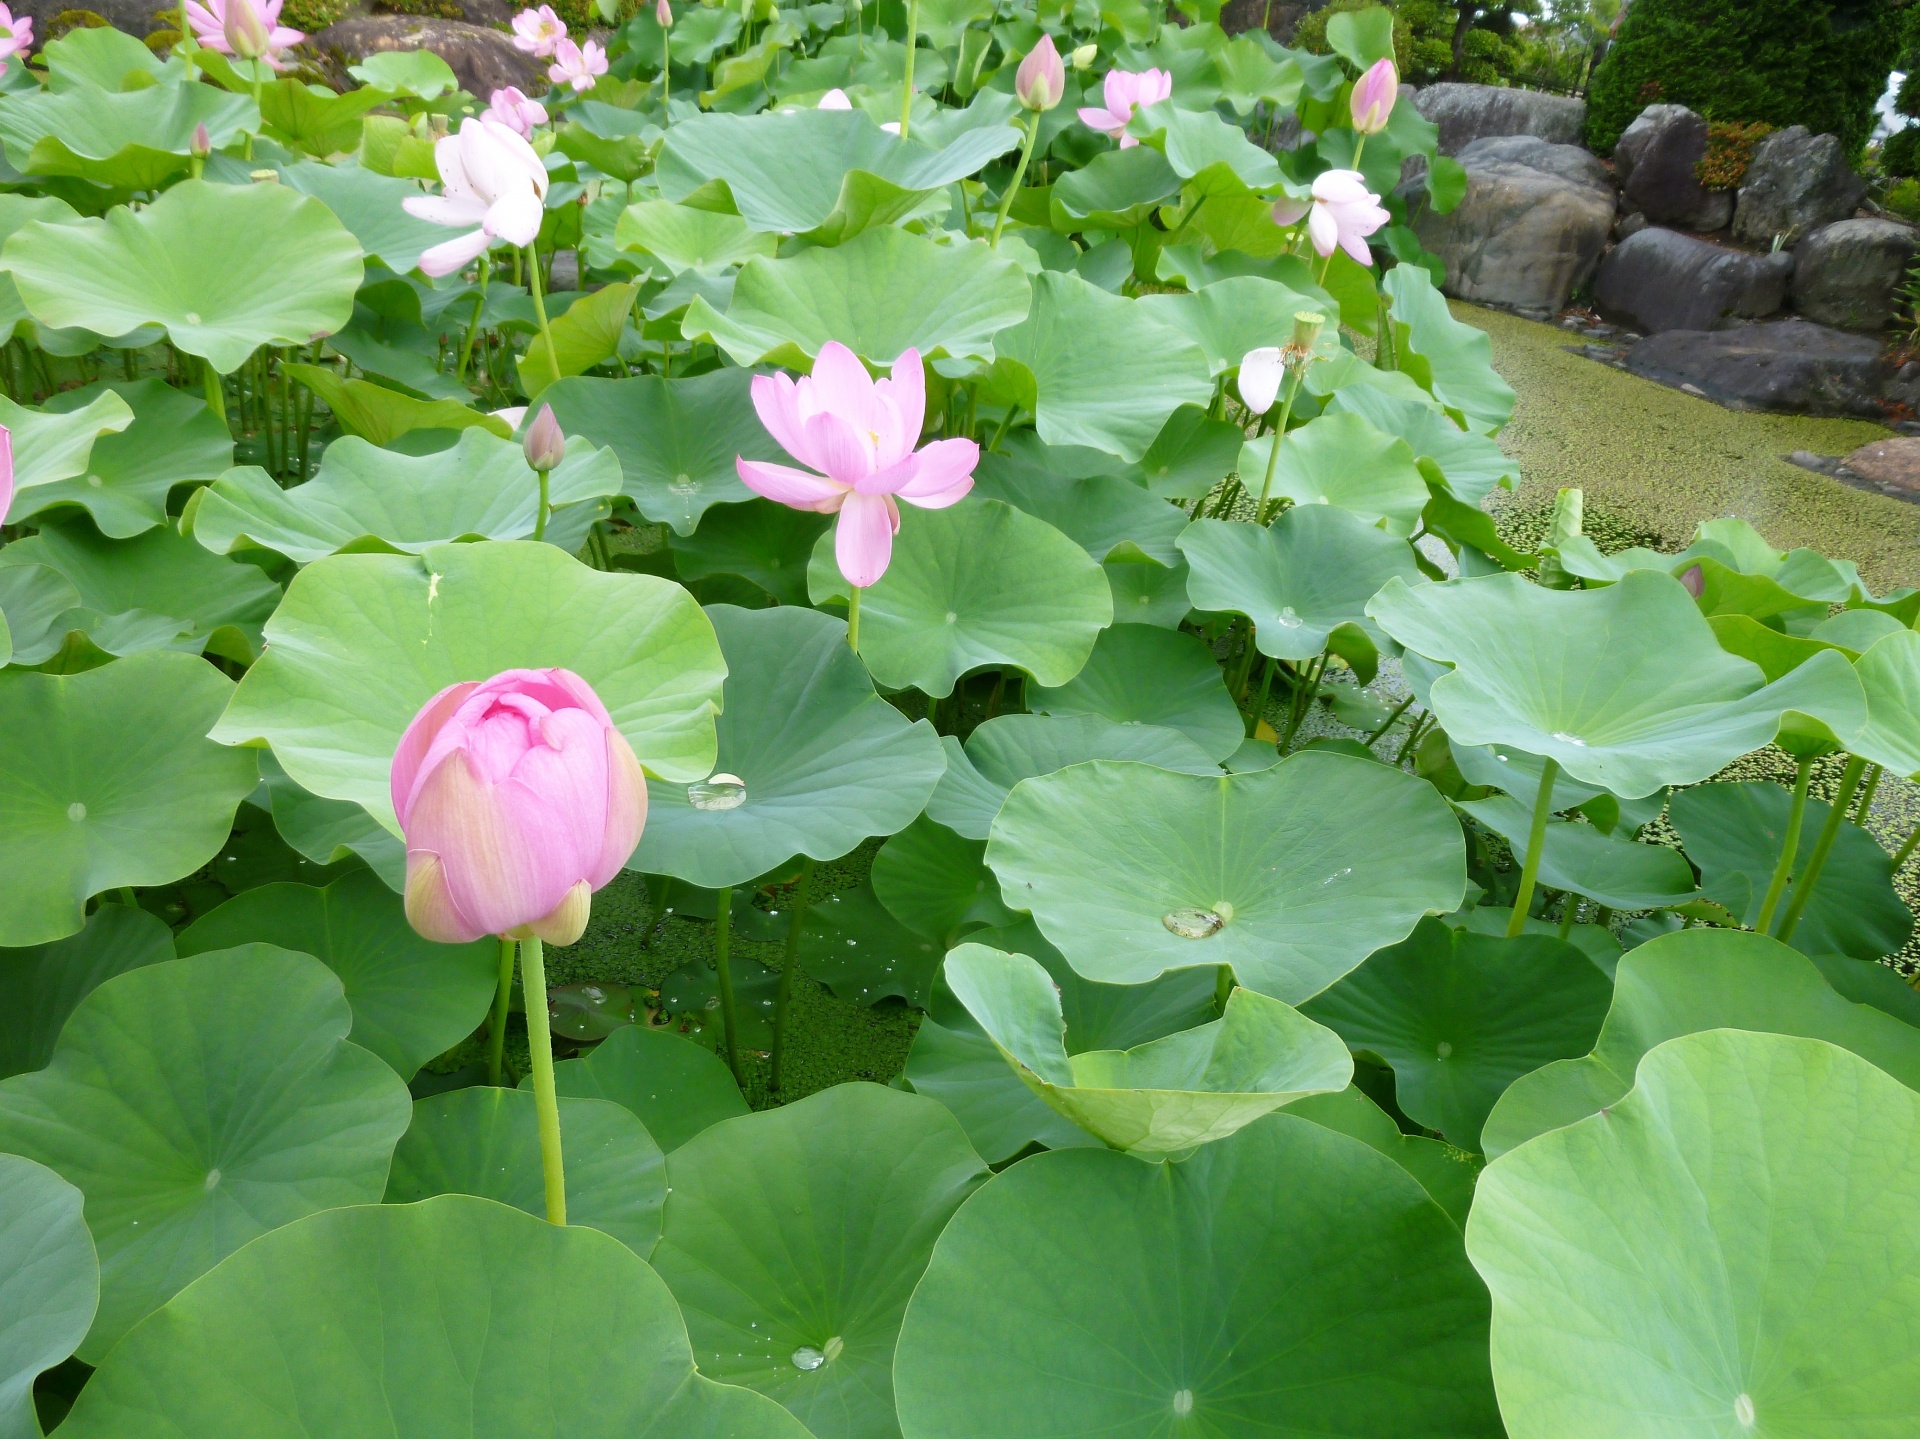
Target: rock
{"points": [[1531, 226], [1655, 162], [1849, 274], [1664, 280], [1466, 113], [1629, 225], [484, 59], [1891, 464], [1795, 183], [1790, 366]]}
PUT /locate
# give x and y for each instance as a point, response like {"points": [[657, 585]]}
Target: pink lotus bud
{"points": [[543, 443], [1041, 80], [663, 12], [518, 799], [246, 29], [6, 471], [202, 143], [1695, 580], [1373, 97]]}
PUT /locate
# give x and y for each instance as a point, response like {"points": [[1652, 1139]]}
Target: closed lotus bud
{"points": [[1085, 56], [1373, 97], [518, 799], [246, 29], [544, 445], [201, 145], [663, 12], [1695, 580], [1041, 80]]}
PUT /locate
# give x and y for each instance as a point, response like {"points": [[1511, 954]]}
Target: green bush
{"points": [[1818, 63], [1900, 153], [1904, 200], [1422, 36]]}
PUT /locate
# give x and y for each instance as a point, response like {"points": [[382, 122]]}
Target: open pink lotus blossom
{"points": [[518, 799], [513, 109], [16, 36], [492, 180], [537, 32], [253, 24], [1122, 94], [1341, 214], [577, 65], [860, 434], [1373, 97]]}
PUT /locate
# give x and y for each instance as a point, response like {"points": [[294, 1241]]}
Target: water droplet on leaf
{"points": [[1289, 620], [1566, 738], [720, 791], [1192, 923], [683, 484]]}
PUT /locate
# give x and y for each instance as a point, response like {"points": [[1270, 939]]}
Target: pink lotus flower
{"points": [[1373, 97], [1341, 214], [537, 32], [513, 109], [1122, 94], [1041, 81], [861, 435], [577, 65], [6, 472], [250, 29], [491, 179], [16, 36], [518, 799], [663, 15]]}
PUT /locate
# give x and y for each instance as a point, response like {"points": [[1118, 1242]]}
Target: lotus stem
{"points": [[497, 1028], [1905, 852], [545, 508], [1822, 847], [1865, 804], [1536, 842], [1260, 704], [1279, 436], [906, 82], [184, 46], [789, 961], [540, 309], [1019, 174], [258, 86], [1789, 848], [1569, 913], [1413, 738], [473, 325], [729, 1016], [1388, 724], [853, 619], [216, 389], [533, 984], [666, 68]]}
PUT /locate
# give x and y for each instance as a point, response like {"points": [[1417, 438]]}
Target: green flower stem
{"points": [[722, 943], [1019, 174], [1603, 917], [1905, 852], [1389, 722], [666, 66], [540, 307], [216, 389], [497, 1027], [1260, 514], [789, 962], [546, 508], [1789, 848], [473, 325], [1569, 912], [1822, 847], [1305, 688], [659, 905], [853, 619], [533, 986], [1865, 804], [1536, 842], [1260, 704], [906, 82], [258, 86], [185, 46]]}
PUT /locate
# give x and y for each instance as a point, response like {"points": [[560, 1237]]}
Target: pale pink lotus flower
{"points": [[663, 14], [577, 65], [6, 472], [256, 24], [1341, 214], [518, 799], [1041, 81], [835, 99], [537, 32], [1122, 94], [491, 179], [1373, 97], [16, 36], [513, 109], [860, 434]]}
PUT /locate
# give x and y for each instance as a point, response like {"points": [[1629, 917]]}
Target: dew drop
{"points": [[953, 617], [720, 791], [807, 1359], [1743, 1411], [682, 484], [213, 1180], [1445, 1050], [1192, 923], [1566, 738], [95, 481], [1289, 620], [1182, 1403], [1338, 874], [193, 317], [76, 811]]}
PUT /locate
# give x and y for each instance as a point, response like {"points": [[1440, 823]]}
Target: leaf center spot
{"points": [[952, 618], [1182, 1403], [1743, 1410], [1445, 1050], [213, 1180], [193, 317], [76, 811]]}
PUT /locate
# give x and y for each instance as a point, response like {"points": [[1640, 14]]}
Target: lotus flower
{"points": [[1041, 80], [511, 108], [1123, 93], [1261, 371], [537, 32], [577, 65], [16, 36], [860, 434], [6, 472], [1373, 97], [834, 99], [492, 180], [543, 444], [254, 24], [663, 13], [1341, 214], [518, 799]]}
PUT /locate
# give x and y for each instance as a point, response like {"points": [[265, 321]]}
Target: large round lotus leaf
{"points": [[854, 946], [1889, 672], [36, 605], [1163, 1097], [1739, 573], [486, 1141], [40, 986], [412, 999], [1446, 1173], [328, 831], [879, 295], [1472, 465], [1460, 1016], [225, 268], [1683, 983], [454, 1316], [683, 238], [974, 585], [935, 882], [137, 139], [361, 642], [676, 439], [49, 1284], [1626, 687], [1727, 1251], [1313, 569], [1451, 359], [1230, 317], [1340, 459], [1112, 516], [794, 1238], [829, 174], [366, 498], [1005, 750], [1116, 190], [368, 204], [123, 486], [767, 544], [1291, 875], [817, 761], [198, 1103], [675, 1087], [1288, 1280], [51, 447], [107, 778], [958, 1065], [1094, 369], [1144, 675], [1581, 859]]}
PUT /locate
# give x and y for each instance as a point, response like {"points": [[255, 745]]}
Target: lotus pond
{"points": [[826, 734]]}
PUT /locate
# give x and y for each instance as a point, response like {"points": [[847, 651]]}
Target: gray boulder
{"points": [[1849, 274], [1790, 366], [1466, 113], [1795, 183], [1657, 280], [1655, 163], [1531, 226], [482, 58]]}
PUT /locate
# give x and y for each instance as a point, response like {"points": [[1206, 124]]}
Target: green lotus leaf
{"points": [[1340, 459], [1291, 876], [1141, 675], [49, 448], [879, 295], [361, 642], [1460, 1016], [1723, 1252], [368, 204], [411, 998], [978, 584], [108, 779], [1116, 190], [1871, 983], [1581, 859], [1112, 517], [198, 1103], [1685, 982], [316, 119], [1625, 687], [852, 944], [41, 985], [224, 268], [1472, 464], [817, 760], [1451, 360], [419, 73], [123, 483], [1889, 672], [15, 211], [42, 619], [49, 1284], [1115, 1297], [328, 831], [1195, 142], [380, 416], [826, 175], [959, 1066], [1191, 455], [767, 544], [676, 439], [365, 498], [1519, 774], [131, 140], [1250, 75], [1446, 1173], [588, 334], [675, 1087], [1230, 317], [104, 59], [935, 882], [1740, 573], [485, 1141], [794, 1238], [683, 238], [379, 1317]]}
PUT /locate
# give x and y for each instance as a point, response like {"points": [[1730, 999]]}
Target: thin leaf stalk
{"points": [[1536, 842]]}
